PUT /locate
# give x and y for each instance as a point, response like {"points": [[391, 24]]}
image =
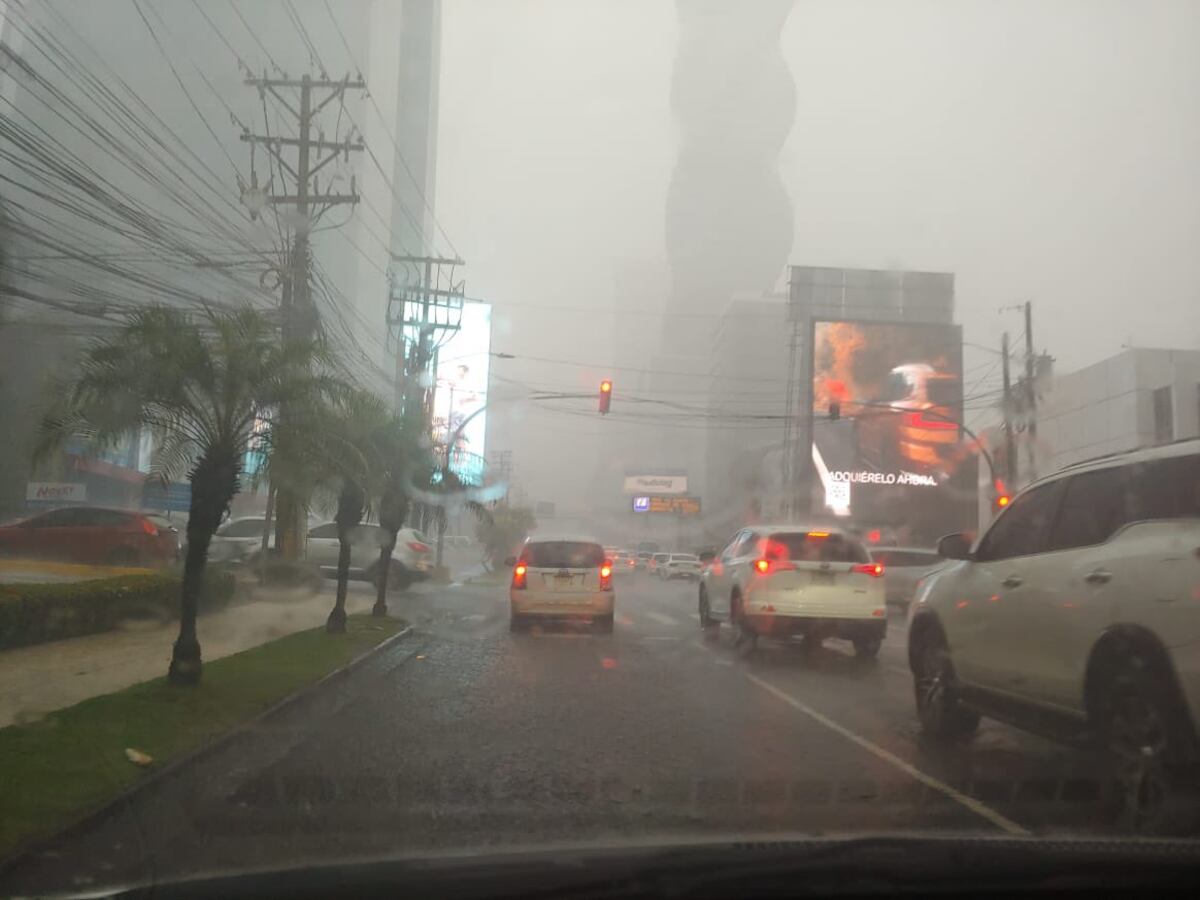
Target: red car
{"points": [[93, 535]]}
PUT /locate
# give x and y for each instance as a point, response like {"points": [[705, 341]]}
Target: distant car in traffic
{"points": [[787, 580], [643, 560], [655, 561], [903, 568], [1075, 614], [562, 577], [624, 563], [93, 535], [680, 565]]}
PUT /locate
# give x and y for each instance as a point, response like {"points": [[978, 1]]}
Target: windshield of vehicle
{"points": [[358, 359], [562, 555]]}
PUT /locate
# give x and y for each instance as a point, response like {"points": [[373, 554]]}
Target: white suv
{"points": [[786, 580], [1077, 614]]}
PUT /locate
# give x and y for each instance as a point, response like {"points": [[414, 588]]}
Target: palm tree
{"points": [[355, 463], [199, 384], [401, 455]]}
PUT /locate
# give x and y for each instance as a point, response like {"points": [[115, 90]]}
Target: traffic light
{"points": [[1001, 498], [605, 396]]}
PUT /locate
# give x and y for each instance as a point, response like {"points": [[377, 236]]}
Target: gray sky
{"points": [[1040, 150]]}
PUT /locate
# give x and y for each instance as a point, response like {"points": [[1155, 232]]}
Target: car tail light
{"points": [[762, 566], [418, 547], [150, 528], [875, 570], [918, 420], [519, 572], [606, 577]]}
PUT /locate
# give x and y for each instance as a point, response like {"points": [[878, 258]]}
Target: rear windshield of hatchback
{"points": [[802, 546], [563, 555]]}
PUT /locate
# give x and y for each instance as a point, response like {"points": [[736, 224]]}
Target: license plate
{"points": [[564, 580], [822, 577]]}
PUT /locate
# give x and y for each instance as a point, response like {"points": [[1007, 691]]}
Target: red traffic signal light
{"points": [[605, 396], [1002, 496]]}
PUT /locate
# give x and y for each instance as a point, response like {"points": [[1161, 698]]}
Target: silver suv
{"points": [[1077, 615]]}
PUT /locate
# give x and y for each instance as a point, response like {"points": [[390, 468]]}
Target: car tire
{"points": [[744, 639], [517, 624], [867, 646], [712, 628], [1150, 753], [939, 710], [603, 624]]}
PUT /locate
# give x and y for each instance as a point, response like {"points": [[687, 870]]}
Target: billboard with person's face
{"points": [[888, 446]]}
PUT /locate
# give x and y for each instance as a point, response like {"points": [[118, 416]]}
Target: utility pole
{"points": [[296, 97], [423, 313], [1030, 391], [1010, 450]]}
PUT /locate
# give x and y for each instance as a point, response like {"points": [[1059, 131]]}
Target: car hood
{"points": [[732, 866]]}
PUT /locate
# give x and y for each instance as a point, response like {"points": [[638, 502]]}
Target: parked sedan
{"points": [[411, 557], [93, 535]]}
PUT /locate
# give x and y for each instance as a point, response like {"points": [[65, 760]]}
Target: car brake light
{"points": [[763, 566], [817, 535], [149, 527], [875, 570], [606, 577], [519, 576], [418, 547], [918, 420]]}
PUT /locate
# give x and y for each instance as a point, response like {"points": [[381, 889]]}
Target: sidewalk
{"points": [[45, 677]]}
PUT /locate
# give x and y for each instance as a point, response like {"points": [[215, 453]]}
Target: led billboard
{"points": [[888, 448], [461, 391]]}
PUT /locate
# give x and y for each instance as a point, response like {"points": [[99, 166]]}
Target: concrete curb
{"points": [[97, 814]]}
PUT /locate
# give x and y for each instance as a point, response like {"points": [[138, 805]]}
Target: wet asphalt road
{"points": [[463, 736]]}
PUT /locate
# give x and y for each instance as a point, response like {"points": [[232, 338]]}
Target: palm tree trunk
{"points": [[336, 623], [383, 570], [214, 482], [351, 501]]}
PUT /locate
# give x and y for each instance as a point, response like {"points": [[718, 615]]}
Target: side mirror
{"points": [[510, 561], [955, 546], [707, 556]]}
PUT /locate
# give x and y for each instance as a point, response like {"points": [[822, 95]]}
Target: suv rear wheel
{"points": [[939, 709], [1150, 754]]}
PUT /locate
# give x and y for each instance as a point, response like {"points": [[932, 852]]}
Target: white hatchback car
{"points": [[1077, 615], [786, 580], [562, 577]]}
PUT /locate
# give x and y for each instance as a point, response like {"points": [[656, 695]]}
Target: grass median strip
{"points": [[53, 770]]}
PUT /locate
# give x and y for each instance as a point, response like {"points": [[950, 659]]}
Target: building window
{"points": [[1164, 425]]}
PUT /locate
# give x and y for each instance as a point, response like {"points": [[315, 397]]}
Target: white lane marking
{"points": [[662, 619], [980, 809]]}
